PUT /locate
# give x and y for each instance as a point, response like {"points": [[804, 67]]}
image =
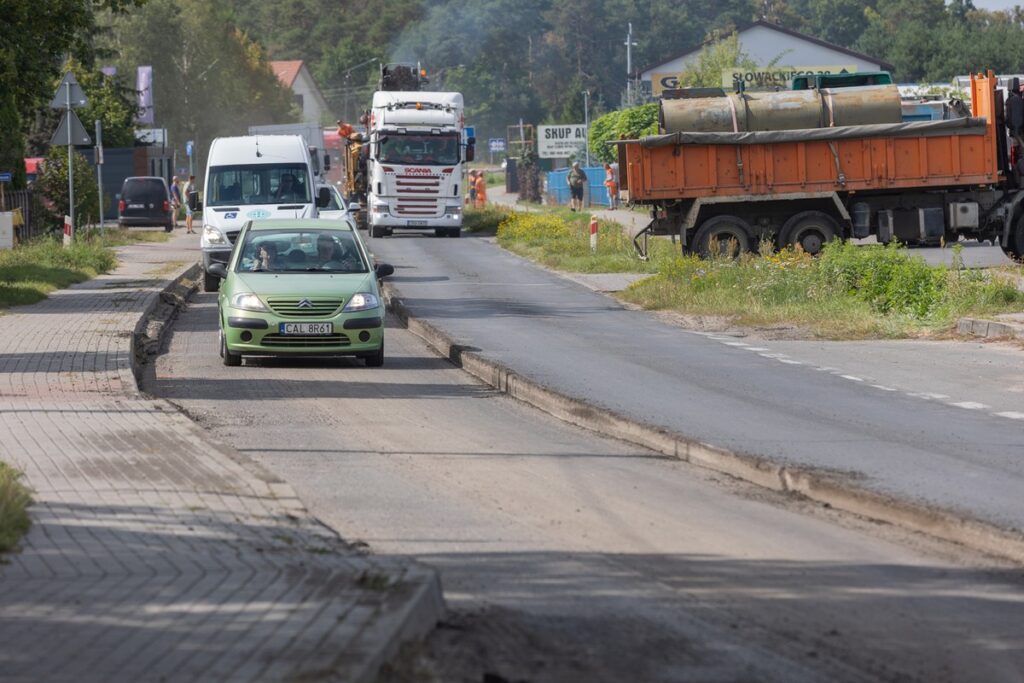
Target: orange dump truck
{"points": [[917, 182]]}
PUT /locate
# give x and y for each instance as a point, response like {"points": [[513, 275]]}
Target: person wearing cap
{"points": [[576, 179]]}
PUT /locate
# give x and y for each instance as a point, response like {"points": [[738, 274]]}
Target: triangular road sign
{"points": [[78, 135], [60, 98]]}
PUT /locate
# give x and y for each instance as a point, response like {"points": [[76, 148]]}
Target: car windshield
{"points": [[429, 150], [301, 251], [258, 184]]}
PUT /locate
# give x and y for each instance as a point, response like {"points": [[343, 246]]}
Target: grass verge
{"points": [[849, 292], [31, 271], [14, 501]]}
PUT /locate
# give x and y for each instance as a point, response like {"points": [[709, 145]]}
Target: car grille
{"points": [[290, 308], [293, 342], [232, 236]]}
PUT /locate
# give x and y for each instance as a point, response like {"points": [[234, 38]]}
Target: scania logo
{"points": [[420, 171], [305, 303]]}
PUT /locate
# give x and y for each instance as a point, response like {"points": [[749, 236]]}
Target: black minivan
{"points": [[145, 200]]}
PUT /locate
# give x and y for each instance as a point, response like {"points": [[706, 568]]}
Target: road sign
{"points": [[561, 142], [188, 148], [469, 132], [496, 144], [78, 134], [6, 177], [60, 98]]}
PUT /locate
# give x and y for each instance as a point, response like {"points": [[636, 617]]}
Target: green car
{"points": [[300, 287]]}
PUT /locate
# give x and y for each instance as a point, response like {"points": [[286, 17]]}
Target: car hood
{"points": [[232, 218], [302, 284]]}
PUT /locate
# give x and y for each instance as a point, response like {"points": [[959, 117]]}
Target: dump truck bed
{"points": [[928, 154]]}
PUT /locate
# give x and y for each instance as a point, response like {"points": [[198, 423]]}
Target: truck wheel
{"points": [[210, 282], [440, 232], [378, 231], [1015, 245], [811, 230], [727, 236], [455, 232], [232, 360]]}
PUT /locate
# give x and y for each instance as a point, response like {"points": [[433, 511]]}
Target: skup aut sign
{"points": [[561, 142]]}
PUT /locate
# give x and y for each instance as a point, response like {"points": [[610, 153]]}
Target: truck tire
{"points": [[378, 231], [455, 232], [211, 283], [1015, 244], [811, 230], [730, 234]]}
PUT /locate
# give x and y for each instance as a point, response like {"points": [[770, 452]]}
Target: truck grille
{"points": [[290, 306], [418, 196], [290, 342]]}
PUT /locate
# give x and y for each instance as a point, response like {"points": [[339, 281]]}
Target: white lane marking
{"points": [[774, 356], [756, 348], [787, 361], [826, 368], [927, 395], [852, 378], [1012, 415], [970, 405], [734, 343], [883, 387]]}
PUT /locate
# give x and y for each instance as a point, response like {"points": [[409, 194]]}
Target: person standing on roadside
{"points": [[481, 190], [612, 184], [576, 179], [471, 189], [175, 198], [191, 197]]}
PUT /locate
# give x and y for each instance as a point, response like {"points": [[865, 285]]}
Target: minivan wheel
{"points": [[210, 282]]}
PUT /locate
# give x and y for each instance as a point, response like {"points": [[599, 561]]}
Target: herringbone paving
{"points": [[154, 553]]}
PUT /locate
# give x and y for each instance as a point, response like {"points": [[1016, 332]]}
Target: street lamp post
{"points": [[629, 66], [586, 123]]}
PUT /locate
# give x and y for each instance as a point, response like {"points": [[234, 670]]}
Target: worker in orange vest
{"points": [[345, 130], [481, 190]]}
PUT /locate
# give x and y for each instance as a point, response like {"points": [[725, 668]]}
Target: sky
{"points": [[997, 4]]}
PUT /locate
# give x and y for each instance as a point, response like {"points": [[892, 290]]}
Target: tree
{"points": [[53, 181], [625, 124], [714, 58]]}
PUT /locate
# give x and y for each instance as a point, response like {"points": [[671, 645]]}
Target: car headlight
{"points": [[247, 301], [361, 301], [213, 235]]}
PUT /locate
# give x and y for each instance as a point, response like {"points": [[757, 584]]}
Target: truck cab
{"points": [[253, 177], [415, 162]]}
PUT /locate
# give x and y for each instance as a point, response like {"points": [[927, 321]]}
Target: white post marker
{"points": [[593, 234], [67, 231]]}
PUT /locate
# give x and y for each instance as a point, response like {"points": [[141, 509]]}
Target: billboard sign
{"points": [[777, 76], [561, 142], [496, 144]]}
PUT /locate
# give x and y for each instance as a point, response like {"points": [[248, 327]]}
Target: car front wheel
{"points": [[375, 359], [232, 360]]}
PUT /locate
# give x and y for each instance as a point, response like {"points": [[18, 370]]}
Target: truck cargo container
{"points": [[919, 182]]}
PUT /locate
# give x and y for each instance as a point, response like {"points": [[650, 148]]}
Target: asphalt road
{"points": [[566, 556], [960, 454]]}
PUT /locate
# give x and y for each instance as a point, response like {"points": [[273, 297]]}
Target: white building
{"points": [[765, 43], [294, 75]]}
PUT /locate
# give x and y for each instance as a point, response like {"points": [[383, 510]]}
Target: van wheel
{"points": [[232, 360], [1015, 244], [210, 282], [722, 236]]}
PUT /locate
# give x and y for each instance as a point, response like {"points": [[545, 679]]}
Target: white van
{"points": [[253, 177]]}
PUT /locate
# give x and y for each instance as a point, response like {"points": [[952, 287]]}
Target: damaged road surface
{"points": [[568, 556]]}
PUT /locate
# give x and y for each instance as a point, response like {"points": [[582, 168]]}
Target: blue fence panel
{"points": [[558, 190]]}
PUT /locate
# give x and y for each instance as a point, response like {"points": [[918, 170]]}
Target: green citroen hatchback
{"points": [[300, 287]]}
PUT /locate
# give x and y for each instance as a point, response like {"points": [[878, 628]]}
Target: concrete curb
{"points": [[415, 615], [843, 495], [990, 329]]}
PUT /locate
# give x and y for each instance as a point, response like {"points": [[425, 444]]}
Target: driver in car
{"points": [[333, 256]]}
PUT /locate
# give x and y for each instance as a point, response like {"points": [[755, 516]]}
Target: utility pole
{"points": [[71, 170], [630, 99], [586, 123], [99, 170]]}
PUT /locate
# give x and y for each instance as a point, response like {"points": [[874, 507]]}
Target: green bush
{"points": [[14, 501], [484, 220], [620, 125]]}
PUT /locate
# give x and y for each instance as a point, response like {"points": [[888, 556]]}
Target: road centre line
{"points": [[970, 405], [1012, 415]]}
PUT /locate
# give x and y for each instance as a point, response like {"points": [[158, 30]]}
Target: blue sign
{"points": [[496, 144], [258, 213], [470, 132], [188, 148], [6, 177]]}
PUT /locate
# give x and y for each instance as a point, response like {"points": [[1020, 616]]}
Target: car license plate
{"points": [[306, 329], [136, 206], [417, 223]]}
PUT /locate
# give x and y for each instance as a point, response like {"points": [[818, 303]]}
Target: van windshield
{"points": [[258, 184], [429, 150]]}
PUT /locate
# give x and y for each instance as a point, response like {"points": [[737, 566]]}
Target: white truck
{"points": [[415, 162], [312, 133], [251, 178]]}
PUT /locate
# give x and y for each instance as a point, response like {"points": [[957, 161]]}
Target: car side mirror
{"points": [[323, 197], [470, 152], [327, 162], [384, 269], [218, 269], [354, 207]]}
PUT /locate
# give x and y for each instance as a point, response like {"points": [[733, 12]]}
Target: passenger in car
{"points": [[266, 257]]}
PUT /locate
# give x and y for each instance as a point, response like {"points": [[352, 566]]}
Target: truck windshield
{"points": [[258, 184], [429, 150]]}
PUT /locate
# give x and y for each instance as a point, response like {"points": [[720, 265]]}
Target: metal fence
{"points": [[594, 192], [34, 216]]}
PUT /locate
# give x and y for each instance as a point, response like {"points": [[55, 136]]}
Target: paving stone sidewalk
{"points": [[155, 554]]}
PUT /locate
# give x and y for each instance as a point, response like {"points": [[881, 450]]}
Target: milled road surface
{"points": [[566, 556], [950, 453]]}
